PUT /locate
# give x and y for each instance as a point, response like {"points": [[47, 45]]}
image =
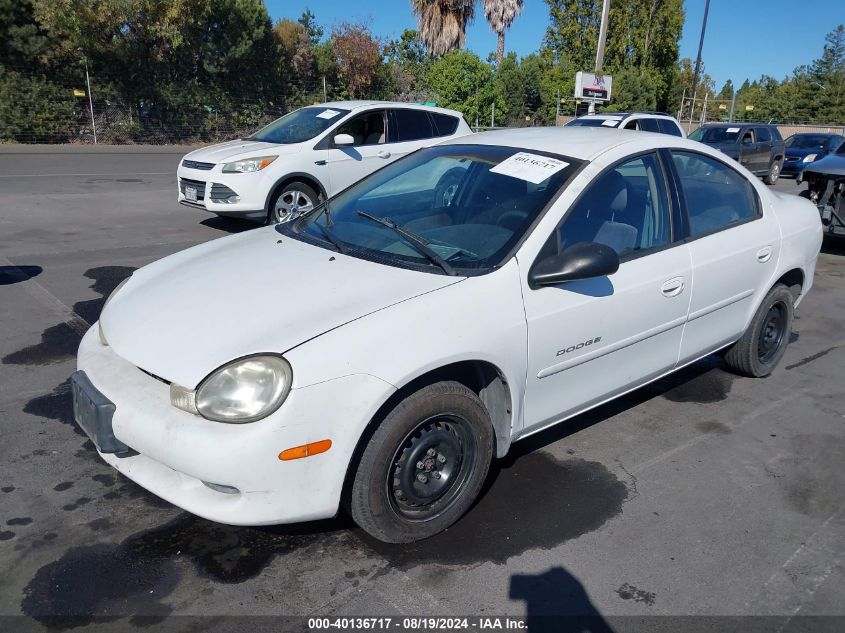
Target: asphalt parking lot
{"points": [[702, 494]]}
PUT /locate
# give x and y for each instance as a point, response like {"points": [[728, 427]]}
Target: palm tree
{"points": [[443, 23], [501, 14]]}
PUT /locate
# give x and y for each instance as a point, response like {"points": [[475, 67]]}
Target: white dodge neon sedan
{"points": [[308, 155], [377, 352]]}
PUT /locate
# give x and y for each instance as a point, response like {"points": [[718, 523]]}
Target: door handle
{"points": [[672, 287], [383, 154], [319, 162], [764, 254]]}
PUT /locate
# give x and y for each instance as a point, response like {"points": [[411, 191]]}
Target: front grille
{"points": [[195, 164], [199, 185], [221, 193]]}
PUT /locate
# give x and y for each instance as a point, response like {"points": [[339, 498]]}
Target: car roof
{"points": [[606, 115], [815, 134], [360, 104], [583, 143], [738, 124]]}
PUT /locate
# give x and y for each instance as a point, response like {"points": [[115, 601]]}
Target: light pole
{"points": [[700, 45], [605, 10], [90, 100]]}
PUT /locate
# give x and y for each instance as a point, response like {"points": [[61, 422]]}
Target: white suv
{"points": [[660, 122], [306, 156]]}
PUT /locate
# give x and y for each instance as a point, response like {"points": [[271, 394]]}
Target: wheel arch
{"points": [[482, 377], [792, 279], [308, 179]]}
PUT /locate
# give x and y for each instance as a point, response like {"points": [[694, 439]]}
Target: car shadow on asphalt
{"points": [[229, 225], [16, 274]]}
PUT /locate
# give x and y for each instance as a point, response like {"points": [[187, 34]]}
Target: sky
{"points": [[744, 40]]}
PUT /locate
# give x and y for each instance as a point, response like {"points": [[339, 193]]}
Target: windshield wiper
{"points": [[329, 235], [419, 244]]}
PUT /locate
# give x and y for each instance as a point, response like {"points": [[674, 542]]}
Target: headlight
{"points": [[100, 332], [809, 158], [248, 165], [245, 390]]}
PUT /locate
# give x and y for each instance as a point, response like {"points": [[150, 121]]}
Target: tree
{"points": [[727, 91], [443, 23], [358, 56], [501, 14], [309, 23], [460, 80]]}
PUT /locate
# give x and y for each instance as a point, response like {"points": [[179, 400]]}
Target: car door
{"points": [[764, 149], [590, 340], [748, 149], [734, 245], [369, 151]]}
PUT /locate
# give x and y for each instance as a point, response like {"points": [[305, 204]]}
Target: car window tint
{"points": [[412, 125], [366, 129], [649, 125], [632, 125], [748, 137], [763, 135], [716, 196], [668, 127], [443, 123], [625, 208]]}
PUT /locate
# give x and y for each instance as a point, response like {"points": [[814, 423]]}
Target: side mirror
{"points": [[342, 140], [583, 260]]}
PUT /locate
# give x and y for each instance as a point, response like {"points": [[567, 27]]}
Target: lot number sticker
{"points": [[531, 167], [328, 114]]}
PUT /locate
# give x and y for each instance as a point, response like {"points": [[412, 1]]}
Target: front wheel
{"points": [[763, 344], [424, 465], [774, 173], [294, 199]]}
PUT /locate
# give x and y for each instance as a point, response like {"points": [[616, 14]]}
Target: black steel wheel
{"points": [[763, 344], [424, 465]]}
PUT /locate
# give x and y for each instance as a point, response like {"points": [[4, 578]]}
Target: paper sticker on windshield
{"points": [[733, 129], [531, 167], [610, 122], [328, 114]]}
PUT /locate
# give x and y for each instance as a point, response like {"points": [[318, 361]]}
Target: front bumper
{"points": [[180, 453], [232, 195]]}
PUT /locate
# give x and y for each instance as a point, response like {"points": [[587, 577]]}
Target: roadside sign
{"points": [[594, 87], [749, 108], [78, 93], [722, 106]]}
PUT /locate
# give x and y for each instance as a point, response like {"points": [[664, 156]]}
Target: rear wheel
{"points": [[763, 344], [294, 199], [774, 173], [424, 465]]}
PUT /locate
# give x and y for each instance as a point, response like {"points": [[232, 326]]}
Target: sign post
{"points": [[592, 88]]}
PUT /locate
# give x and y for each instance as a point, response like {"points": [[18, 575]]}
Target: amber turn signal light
{"points": [[306, 450]]}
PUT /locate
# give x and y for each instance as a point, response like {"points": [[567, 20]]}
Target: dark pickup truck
{"points": [[757, 147]]}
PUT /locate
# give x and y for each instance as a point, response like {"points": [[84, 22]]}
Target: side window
{"points": [[763, 135], [443, 123], [716, 196], [748, 137], [366, 129], [412, 125], [668, 127], [626, 209], [632, 125], [649, 125]]}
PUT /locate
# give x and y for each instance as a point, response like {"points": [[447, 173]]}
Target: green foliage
{"points": [[460, 80], [35, 108]]}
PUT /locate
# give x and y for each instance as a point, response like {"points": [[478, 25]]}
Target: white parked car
{"points": [[308, 155], [645, 121], [386, 346]]}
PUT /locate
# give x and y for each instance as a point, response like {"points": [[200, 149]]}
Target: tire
{"points": [[424, 465], [290, 201], [447, 186], [774, 173], [763, 344]]}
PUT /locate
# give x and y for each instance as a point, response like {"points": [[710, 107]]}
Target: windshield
{"points": [[467, 205], [299, 126], [591, 122], [810, 141], [716, 134]]}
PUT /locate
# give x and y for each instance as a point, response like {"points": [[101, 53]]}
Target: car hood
{"points": [[830, 165], [183, 316], [241, 148]]}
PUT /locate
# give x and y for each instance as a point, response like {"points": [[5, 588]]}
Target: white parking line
{"points": [[140, 173]]}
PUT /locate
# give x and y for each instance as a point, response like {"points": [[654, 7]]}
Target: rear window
{"points": [[649, 125], [763, 135], [412, 125], [444, 125], [668, 127]]}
